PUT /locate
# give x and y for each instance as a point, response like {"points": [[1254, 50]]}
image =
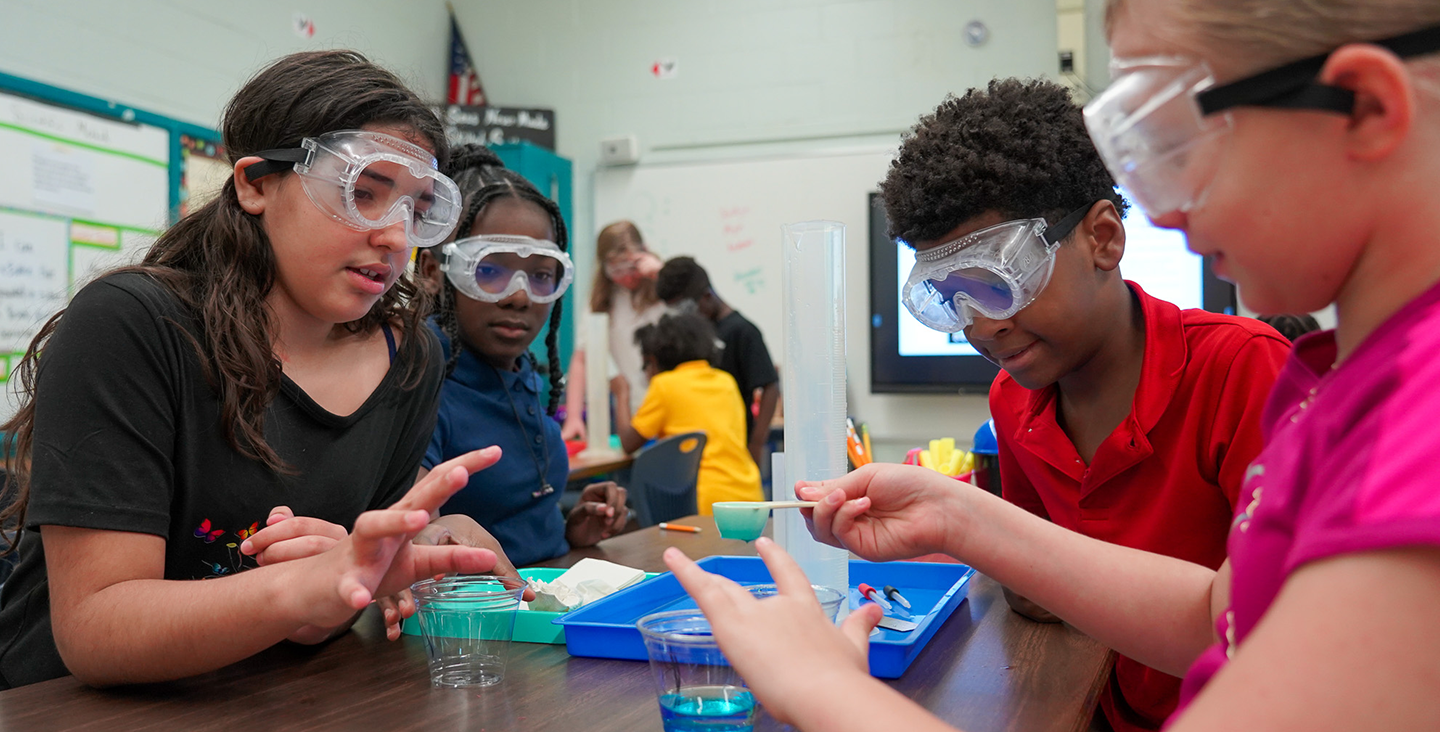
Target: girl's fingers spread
{"points": [[789, 577]]}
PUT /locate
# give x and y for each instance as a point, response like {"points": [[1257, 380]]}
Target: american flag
{"points": [[464, 82]]}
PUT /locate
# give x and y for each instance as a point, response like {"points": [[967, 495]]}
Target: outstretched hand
{"points": [[885, 511], [378, 558], [783, 646]]}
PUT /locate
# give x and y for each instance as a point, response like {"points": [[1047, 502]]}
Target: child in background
{"points": [[687, 394], [624, 288], [1118, 415], [682, 280], [499, 284], [1285, 138], [267, 358], [1290, 326]]}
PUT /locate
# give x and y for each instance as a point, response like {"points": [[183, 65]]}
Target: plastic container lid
{"points": [[985, 441]]}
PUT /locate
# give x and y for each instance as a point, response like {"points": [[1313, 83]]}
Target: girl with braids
{"points": [[499, 284], [266, 359], [1297, 143]]}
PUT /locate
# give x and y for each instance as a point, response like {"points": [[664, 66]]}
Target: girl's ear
{"points": [[427, 269], [1384, 110], [250, 193]]}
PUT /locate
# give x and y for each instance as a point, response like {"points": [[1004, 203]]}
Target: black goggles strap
{"points": [[1293, 85], [277, 161], [1063, 227]]}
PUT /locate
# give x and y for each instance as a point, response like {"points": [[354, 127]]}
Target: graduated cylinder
{"points": [[814, 386]]}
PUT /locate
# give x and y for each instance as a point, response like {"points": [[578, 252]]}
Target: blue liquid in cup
{"points": [[708, 709]]}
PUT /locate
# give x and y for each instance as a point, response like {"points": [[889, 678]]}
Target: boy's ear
{"points": [[1103, 233]]}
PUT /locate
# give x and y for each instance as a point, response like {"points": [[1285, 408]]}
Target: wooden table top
{"points": [[591, 466], [986, 669]]}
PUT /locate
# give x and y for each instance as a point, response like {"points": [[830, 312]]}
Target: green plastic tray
{"points": [[531, 626]]}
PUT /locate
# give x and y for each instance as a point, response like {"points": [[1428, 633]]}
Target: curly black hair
{"points": [[676, 339], [1018, 148], [682, 278], [482, 178]]}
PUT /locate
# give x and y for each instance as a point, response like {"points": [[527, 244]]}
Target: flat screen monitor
{"points": [[906, 356]]}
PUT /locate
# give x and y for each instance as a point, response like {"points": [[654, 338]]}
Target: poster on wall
{"points": [[84, 194], [499, 125], [203, 174]]}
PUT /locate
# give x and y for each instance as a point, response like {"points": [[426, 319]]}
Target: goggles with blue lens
{"points": [[369, 180], [994, 272], [1161, 123], [492, 268]]}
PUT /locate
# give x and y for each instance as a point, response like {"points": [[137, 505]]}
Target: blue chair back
{"points": [[663, 478]]}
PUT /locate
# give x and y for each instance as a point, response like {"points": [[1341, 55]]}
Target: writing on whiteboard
{"points": [[33, 276]]}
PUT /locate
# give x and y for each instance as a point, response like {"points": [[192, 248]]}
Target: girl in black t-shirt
{"points": [[267, 359]]}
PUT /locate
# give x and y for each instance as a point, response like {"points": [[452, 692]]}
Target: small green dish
{"points": [[531, 626]]}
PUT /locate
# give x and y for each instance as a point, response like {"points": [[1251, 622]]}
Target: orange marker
{"points": [[680, 527]]}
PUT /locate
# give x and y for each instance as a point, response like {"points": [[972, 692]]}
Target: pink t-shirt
{"points": [[1349, 466]]}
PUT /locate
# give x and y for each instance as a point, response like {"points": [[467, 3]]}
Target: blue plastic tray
{"points": [[606, 627]]}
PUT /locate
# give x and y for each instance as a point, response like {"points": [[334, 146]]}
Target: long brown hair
{"points": [[602, 291], [218, 261]]}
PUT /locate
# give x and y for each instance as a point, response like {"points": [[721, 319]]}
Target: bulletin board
{"points": [[89, 184]]}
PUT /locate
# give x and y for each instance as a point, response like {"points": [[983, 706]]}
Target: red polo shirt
{"points": [[1167, 478]]}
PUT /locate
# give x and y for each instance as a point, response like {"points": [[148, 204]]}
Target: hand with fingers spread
{"points": [[600, 514], [452, 530], [784, 646], [378, 558], [885, 511]]}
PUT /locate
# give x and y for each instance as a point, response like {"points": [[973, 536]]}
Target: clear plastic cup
{"points": [[467, 623], [696, 686], [829, 597]]}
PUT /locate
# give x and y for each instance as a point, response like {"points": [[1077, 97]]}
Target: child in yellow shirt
{"points": [[687, 394]]}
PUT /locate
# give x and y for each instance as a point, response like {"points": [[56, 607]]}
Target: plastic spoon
{"points": [[745, 520]]}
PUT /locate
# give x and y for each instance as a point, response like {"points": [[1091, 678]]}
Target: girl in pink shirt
{"points": [[1297, 143]]}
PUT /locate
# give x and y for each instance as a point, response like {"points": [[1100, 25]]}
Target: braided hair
{"points": [[483, 178]]}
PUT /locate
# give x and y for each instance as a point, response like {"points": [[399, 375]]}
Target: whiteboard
{"points": [[728, 216], [81, 194]]}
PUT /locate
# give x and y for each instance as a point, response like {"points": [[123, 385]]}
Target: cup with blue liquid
{"points": [[699, 690]]}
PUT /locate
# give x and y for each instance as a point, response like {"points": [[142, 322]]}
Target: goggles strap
{"points": [[1063, 227], [1293, 85], [277, 161]]}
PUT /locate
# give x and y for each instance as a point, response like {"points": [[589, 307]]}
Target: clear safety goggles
{"points": [[492, 268], [994, 272], [370, 180], [1161, 123]]}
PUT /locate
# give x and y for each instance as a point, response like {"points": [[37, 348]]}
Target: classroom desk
{"points": [[583, 468], [987, 669]]}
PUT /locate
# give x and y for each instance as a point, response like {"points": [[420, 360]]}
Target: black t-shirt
{"points": [[128, 438], [747, 359]]}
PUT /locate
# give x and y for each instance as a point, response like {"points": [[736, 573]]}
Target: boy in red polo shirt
{"points": [[1119, 415]]}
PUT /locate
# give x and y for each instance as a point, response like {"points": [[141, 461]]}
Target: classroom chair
{"points": [[663, 477]]}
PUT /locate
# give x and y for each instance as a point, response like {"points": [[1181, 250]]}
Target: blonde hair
{"points": [[1269, 33], [612, 238]]}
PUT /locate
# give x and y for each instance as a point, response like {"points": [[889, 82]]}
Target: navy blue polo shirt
{"points": [[475, 412]]}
